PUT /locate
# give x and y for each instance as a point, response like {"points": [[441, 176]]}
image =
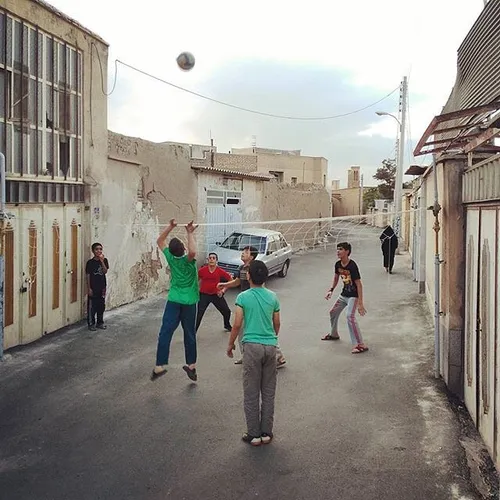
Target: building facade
{"points": [[53, 118]]}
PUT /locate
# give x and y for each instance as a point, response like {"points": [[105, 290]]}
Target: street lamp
{"points": [[398, 187]]}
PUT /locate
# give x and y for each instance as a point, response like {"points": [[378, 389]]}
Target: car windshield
{"points": [[238, 241]]}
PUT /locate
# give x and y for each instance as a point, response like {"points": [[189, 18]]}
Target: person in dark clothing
{"points": [[389, 242], [96, 270]]}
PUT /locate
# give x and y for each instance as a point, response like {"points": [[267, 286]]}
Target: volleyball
{"points": [[185, 61]]}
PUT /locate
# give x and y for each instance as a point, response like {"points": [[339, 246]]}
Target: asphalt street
{"points": [[80, 419]]}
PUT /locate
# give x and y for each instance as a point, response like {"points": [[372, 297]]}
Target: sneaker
{"points": [[101, 326], [92, 328], [254, 441], [266, 438], [191, 373], [156, 375], [228, 328]]}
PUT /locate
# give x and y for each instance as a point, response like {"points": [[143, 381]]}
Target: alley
{"points": [[80, 418]]}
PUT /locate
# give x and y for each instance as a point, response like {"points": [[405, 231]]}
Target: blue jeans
{"points": [[351, 303], [173, 315]]}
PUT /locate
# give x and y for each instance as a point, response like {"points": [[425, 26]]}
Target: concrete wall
{"points": [[349, 202], [144, 185], [236, 162], [282, 202], [304, 169]]}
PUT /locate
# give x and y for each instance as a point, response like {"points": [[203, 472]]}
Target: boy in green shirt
{"points": [[181, 302], [259, 309]]}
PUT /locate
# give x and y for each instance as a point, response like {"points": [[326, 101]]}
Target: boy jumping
{"points": [[350, 297], [181, 302], [259, 309]]}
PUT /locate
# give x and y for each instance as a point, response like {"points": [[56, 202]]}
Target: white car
{"points": [[273, 250]]}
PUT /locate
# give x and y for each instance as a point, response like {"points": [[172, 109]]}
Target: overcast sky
{"points": [[319, 59]]}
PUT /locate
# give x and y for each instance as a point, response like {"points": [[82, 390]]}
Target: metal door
{"points": [[486, 327], [471, 317], [53, 282], [73, 268], [31, 226]]}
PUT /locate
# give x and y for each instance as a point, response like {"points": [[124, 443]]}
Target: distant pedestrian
{"points": [[210, 276], [181, 301], [96, 270], [258, 311], [389, 241], [351, 297]]}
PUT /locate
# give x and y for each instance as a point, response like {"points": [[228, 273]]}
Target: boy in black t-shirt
{"points": [[350, 297], [96, 270]]}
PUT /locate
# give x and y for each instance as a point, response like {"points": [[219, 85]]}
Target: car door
{"points": [[272, 254]]}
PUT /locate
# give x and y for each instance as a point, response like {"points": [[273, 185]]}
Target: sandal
{"points": [[359, 349], [330, 337]]}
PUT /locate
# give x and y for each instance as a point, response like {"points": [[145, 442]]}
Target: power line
{"points": [[234, 106]]}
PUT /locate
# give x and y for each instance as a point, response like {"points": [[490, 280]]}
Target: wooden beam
{"points": [[481, 139]]}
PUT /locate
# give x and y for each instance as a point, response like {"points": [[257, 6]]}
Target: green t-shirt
{"points": [[184, 287], [259, 305]]}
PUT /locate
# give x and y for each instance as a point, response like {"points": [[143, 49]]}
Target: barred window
{"points": [[40, 102]]}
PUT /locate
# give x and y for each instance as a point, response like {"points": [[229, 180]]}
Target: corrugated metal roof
{"points": [[464, 122], [224, 171], [478, 63]]}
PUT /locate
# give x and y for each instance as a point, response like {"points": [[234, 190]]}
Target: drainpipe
{"points": [[436, 208]]}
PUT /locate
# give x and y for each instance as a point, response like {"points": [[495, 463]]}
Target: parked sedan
{"points": [[273, 250]]}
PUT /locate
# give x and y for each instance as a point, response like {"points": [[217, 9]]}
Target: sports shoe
{"points": [[191, 373], [254, 441], [266, 438], [101, 326], [92, 328]]}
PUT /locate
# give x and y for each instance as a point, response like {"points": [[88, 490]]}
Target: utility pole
{"points": [[398, 188], [2, 264]]}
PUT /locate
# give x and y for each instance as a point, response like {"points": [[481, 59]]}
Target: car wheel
{"points": [[284, 269]]}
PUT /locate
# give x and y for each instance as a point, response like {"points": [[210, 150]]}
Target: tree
{"points": [[370, 194], [386, 175]]}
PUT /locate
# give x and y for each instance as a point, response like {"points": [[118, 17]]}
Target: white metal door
{"points": [[12, 281], [486, 323], [233, 218], [214, 233], [53, 282], [31, 227], [496, 455], [471, 284], [73, 268]]}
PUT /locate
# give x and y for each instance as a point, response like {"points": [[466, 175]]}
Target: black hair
{"points": [[213, 253], [253, 251], [345, 246], [258, 272], [176, 247], [95, 245]]}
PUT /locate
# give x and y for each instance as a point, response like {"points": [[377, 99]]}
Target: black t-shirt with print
{"points": [[242, 274], [348, 274], [97, 276]]}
